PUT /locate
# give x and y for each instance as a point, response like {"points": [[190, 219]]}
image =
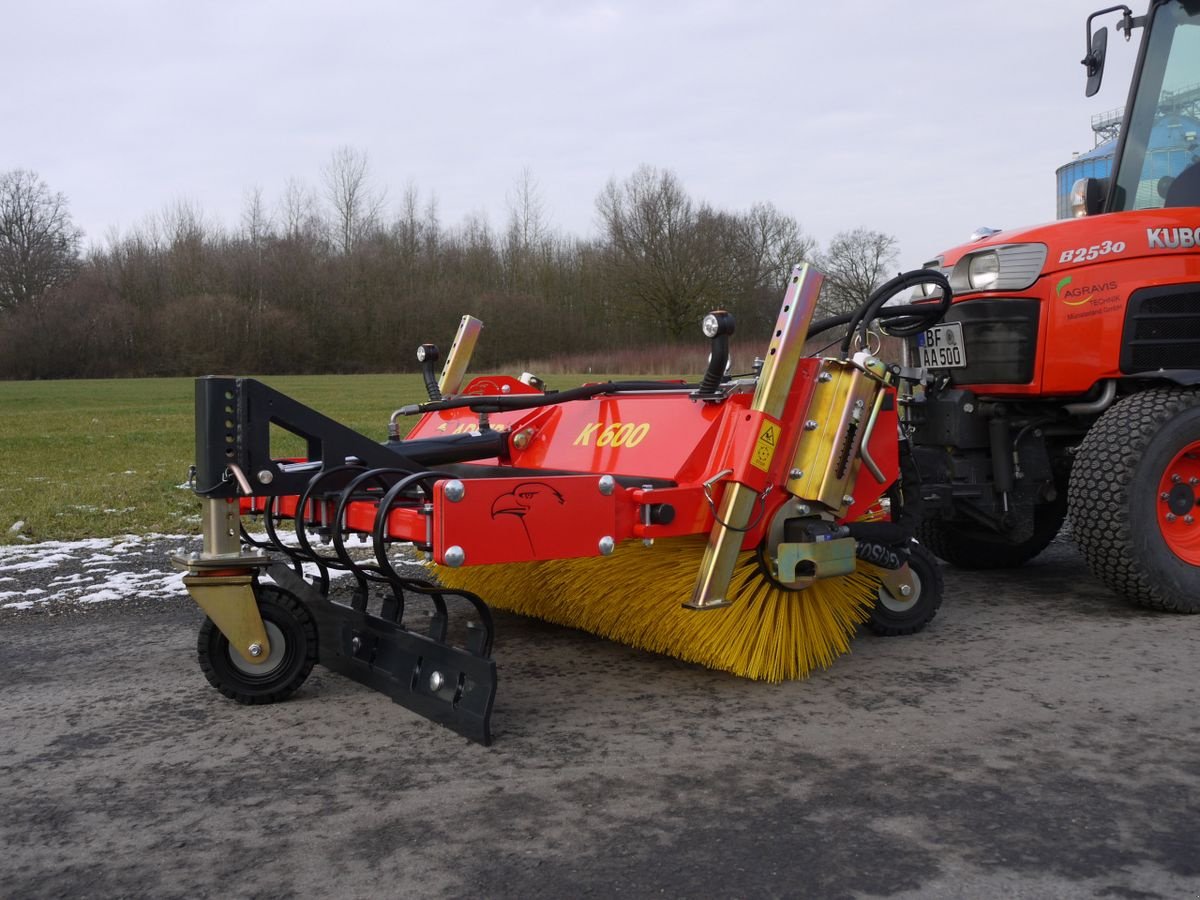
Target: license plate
{"points": [[942, 347]]}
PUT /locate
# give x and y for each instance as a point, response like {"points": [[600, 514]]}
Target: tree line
{"points": [[338, 278]]}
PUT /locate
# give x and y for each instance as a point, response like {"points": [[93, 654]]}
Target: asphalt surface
{"points": [[1040, 739]]}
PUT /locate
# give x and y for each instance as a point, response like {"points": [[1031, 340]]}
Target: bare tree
{"points": [[769, 243], [527, 222], [39, 244], [357, 204], [298, 213], [256, 221], [527, 235], [855, 263], [668, 257]]}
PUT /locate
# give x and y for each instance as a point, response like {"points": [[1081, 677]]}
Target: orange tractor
{"points": [[1065, 378]]}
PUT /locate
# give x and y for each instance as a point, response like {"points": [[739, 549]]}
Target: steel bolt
{"points": [[968, 407], [905, 590], [812, 425], [1164, 496], [1188, 519], [802, 509], [858, 404], [454, 490], [607, 545], [825, 376], [796, 473], [607, 485], [355, 644], [265, 476], [848, 499], [1176, 479], [255, 649], [455, 556], [1193, 481], [1170, 517], [436, 680]]}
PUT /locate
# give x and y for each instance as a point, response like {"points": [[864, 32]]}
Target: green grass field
{"points": [[101, 458]]}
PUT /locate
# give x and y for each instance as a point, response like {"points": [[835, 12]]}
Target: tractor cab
{"points": [[1155, 161]]}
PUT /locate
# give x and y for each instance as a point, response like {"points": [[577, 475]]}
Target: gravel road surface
{"points": [[1040, 739]]}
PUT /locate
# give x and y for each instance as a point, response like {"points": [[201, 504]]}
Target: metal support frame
{"points": [[770, 397]]}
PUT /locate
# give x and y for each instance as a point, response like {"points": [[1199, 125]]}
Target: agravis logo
{"points": [[1078, 296]]}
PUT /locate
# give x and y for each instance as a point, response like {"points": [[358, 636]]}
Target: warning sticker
{"points": [[764, 447]]}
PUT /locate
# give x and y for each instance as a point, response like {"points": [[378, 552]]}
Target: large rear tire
{"points": [[973, 547], [1133, 498]]}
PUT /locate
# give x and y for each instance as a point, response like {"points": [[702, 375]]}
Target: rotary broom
{"points": [[749, 524]]}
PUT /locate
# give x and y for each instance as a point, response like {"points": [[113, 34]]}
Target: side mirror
{"points": [[1094, 61]]}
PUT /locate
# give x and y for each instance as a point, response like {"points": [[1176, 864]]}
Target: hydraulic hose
{"points": [[912, 319]]}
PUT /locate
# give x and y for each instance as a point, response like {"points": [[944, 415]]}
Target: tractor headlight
{"points": [[983, 271], [1009, 267]]}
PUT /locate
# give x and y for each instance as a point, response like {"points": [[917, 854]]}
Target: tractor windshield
{"points": [[1161, 132]]}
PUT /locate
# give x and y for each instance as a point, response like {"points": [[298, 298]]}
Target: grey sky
{"points": [[923, 120]]}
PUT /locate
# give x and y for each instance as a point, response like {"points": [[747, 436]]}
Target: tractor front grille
{"points": [[1001, 340], [1162, 329]]}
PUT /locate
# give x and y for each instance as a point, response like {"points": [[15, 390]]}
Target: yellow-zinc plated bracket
{"points": [[898, 582], [220, 579], [828, 558], [840, 418], [229, 601], [459, 356]]}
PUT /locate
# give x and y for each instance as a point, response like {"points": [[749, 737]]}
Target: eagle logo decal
{"points": [[524, 502]]}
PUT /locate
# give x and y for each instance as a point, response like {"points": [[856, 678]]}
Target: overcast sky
{"points": [[923, 120]]}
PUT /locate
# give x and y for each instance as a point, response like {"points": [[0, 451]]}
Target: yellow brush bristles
{"points": [[634, 596]]}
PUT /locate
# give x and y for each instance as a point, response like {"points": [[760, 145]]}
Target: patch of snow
{"points": [[15, 527], [99, 570]]}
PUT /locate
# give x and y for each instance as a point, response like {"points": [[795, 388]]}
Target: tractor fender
{"points": [[1181, 377]]}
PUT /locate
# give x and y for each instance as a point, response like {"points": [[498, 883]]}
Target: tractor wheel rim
{"points": [[1176, 507], [273, 661]]}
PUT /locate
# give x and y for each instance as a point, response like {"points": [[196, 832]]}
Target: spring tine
{"points": [[302, 536], [481, 644], [296, 557], [379, 539], [360, 571], [392, 608]]}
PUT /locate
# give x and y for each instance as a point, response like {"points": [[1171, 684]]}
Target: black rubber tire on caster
{"points": [[293, 638], [1121, 494], [891, 616]]}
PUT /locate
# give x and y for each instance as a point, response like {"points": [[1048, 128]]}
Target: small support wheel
{"points": [[892, 616], [293, 638]]}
